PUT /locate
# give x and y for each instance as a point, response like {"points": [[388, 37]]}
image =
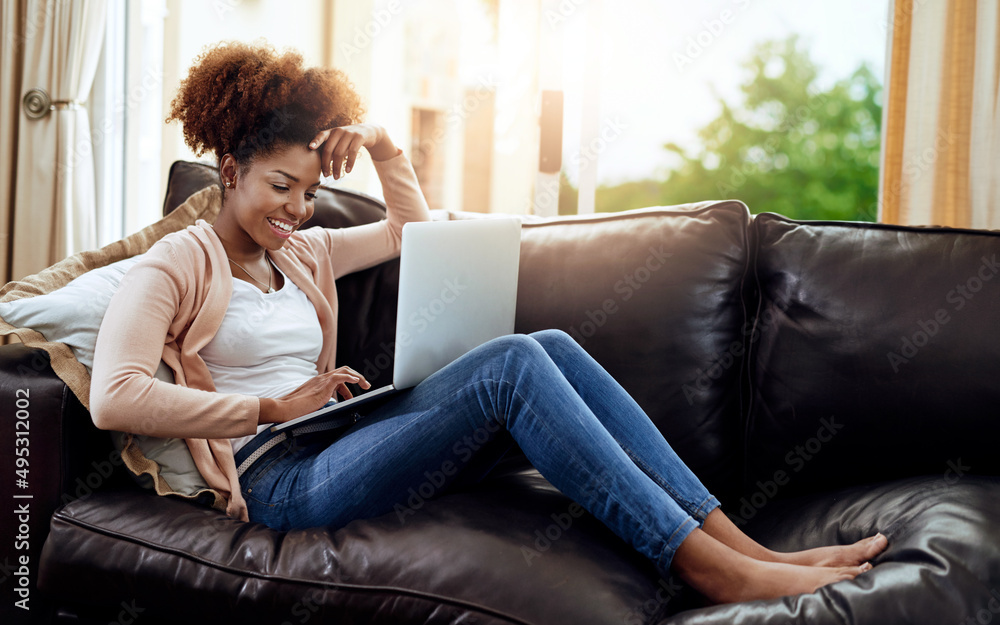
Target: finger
{"points": [[345, 392], [336, 165], [341, 163], [353, 151], [319, 139], [344, 153], [328, 154], [332, 164], [362, 381], [339, 377]]}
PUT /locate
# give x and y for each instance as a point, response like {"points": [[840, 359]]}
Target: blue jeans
{"points": [[575, 424]]}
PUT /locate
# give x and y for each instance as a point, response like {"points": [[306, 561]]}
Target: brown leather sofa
{"points": [[826, 380]]}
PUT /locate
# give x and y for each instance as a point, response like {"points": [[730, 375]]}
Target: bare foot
{"points": [[718, 526], [724, 575], [841, 555], [770, 580]]}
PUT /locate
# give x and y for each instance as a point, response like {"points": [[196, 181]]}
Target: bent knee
{"points": [[515, 342], [517, 348], [552, 338]]}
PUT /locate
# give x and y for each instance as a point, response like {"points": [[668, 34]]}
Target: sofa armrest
{"points": [[51, 454]]}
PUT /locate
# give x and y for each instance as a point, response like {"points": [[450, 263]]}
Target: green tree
{"points": [[788, 148]]}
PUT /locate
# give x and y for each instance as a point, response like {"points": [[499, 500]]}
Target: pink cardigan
{"points": [[171, 304]]}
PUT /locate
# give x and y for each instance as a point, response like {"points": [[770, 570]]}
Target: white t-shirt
{"points": [[267, 345]]}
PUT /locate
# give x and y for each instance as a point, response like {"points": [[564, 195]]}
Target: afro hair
{"points": [[249, 100]]}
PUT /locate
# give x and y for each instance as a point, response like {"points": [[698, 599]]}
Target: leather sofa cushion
{"points": [[876, 353], [656, 297], [939, 568], [479, 556], [482, 556]]}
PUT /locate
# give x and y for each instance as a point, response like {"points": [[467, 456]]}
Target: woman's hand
{"points": [[340, 146], [311, 396], [237, 507]]}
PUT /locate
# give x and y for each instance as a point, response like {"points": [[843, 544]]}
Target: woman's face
{"points": [[274, 197]]}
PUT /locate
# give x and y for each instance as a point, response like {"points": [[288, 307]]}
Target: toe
{"points": [[878, 544]]}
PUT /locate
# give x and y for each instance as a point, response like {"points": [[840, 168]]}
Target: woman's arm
{"points": [[364, 246], [144, 315]]}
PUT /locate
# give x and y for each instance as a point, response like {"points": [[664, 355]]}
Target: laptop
{"points": [[457, 290]]}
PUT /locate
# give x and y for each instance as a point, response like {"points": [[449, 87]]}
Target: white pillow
{"points": [[73, 315]]}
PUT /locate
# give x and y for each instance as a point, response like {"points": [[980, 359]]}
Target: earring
{"points": [[229, 183]]}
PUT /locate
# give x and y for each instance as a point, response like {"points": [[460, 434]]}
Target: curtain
{"points": [[11, 60], [54, 207], [941, 115]]}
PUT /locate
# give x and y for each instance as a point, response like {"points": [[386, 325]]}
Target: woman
{"points": [[275, 128]]}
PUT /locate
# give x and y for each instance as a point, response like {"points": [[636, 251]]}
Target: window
{"points": [[774, 102]]}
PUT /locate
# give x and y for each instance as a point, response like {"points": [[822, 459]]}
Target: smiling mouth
{"points": [[280, 225]]}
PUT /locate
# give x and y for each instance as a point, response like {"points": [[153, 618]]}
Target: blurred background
{"points": [[543, 106], [774, 102], [864, 110]]}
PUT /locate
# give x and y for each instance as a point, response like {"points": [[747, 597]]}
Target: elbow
{"points": [[102, 412], [119, 402], [113, 411]]}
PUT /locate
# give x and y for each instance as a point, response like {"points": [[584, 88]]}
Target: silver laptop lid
{"points": [[457, 290]]}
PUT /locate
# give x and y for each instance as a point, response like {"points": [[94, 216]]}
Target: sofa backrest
{"points": [[656, 296], [876, 353]]}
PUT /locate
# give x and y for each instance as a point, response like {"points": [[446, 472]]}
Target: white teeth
{"points": [[280, 225]]}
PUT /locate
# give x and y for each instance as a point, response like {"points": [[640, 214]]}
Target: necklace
{"points": [[269, 272]]}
